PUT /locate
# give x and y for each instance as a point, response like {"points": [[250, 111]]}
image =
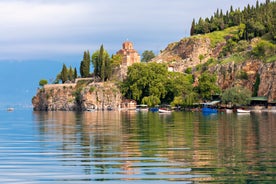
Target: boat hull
{"points": [[164, 111], [209, 110], [243, 111]]}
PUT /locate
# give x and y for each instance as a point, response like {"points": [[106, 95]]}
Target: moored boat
{"points": [[142, 108], [163, 110], [209, 110], [243, 111], [228, 110], [10, 109]]}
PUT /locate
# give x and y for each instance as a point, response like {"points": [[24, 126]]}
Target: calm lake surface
{"points": [[136, 147]]}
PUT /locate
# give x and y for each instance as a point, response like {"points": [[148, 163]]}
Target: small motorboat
{"points": [[164, 110], [243, 111]]}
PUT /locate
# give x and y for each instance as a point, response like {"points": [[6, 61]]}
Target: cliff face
{"points": [[268, 81], [68, 97], [190, 52], [245, 74]]}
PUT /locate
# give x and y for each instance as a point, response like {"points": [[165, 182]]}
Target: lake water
{"points": [[136, 147]]}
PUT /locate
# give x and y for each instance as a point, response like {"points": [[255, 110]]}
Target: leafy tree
{"points": [[151, 101], [178, 85], [102, 64], [207, 86], [144, 80], [85, 64], [236, 96], [43, 82], [147, 56]]}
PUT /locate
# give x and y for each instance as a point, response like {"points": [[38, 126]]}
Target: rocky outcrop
{"points": [[84, 95], [188, 52], [267, 85], [245, 74]]}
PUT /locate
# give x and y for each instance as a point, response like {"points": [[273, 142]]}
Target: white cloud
{"points": [[67, 26]]}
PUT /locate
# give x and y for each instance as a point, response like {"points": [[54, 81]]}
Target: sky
{"points": [[63, 29], [51, 31]]}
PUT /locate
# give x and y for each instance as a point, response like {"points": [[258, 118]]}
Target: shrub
{"points": [[43, 82]]}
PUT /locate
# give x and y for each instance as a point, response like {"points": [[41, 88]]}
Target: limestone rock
{"points": [[98, 96]]}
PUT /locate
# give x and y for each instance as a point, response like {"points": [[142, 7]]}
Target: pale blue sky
{"points": [[63, 29]]}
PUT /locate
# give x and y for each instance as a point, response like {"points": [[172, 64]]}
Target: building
{"points": [[130, 55]]}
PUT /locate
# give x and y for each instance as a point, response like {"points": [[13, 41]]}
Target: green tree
{"points": [[207, 86], [144, 80], [85, 64], [236, 96], [102, 64], [192, 30], [64, 74], [43, 82], [75, 73], [200, 57], [70, 74], [151, 101], [147, 56], [178, 85]]}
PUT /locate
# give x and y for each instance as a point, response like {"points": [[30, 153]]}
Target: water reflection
{"points": [[131, 146]]}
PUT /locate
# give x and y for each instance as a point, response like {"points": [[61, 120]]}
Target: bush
{"points": [[43, 82]]}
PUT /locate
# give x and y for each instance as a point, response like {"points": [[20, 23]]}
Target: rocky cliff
{"points": [[245, 74], [193, 52], [83, 95], [189, 52]]}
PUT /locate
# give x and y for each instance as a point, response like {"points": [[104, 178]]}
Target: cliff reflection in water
{"points": [[178, 147]]}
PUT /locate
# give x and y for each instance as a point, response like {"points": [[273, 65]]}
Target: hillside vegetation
{"points": [[258, 20]]}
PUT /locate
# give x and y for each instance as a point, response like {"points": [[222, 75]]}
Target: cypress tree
{"points": [[64, 74], [192, 31], [102, 63], [71, 74], [85, 64], [75, 73]]}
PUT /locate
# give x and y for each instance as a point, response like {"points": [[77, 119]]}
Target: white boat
{"points": [[10, 109], [243, 111], [229, 110], [162, 110], [142, 107]]}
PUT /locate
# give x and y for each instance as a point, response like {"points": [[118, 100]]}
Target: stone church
{"points": [[130, 55]]}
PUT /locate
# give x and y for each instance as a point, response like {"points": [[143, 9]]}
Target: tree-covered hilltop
{"points": [[259, 20]]}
